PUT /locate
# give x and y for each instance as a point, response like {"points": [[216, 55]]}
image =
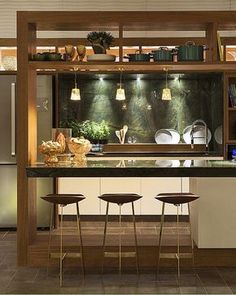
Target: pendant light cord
{"points": [[120, 77], [166, 77], [75, 81]]}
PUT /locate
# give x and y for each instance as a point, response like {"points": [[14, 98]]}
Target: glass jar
{"points": [[66, 132]]}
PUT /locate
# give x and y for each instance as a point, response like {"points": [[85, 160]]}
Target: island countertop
{"points": [[136, 167]]}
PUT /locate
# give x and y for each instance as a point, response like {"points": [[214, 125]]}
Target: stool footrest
{"points": [[65, 255], [175, 255], [117, 254]]}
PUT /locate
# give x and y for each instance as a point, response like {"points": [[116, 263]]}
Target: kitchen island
{"points": [[137, 167], [214, 181]]}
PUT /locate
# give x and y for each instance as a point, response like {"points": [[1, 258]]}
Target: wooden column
{"points": [[211, 36], [120, 43], [26, 137]]}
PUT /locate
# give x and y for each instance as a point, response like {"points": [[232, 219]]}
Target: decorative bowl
{"points": [[64, 158], [79, 147], [50, 149]]}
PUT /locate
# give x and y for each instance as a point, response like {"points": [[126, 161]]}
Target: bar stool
{"points": [[120, 199], [63, 200], [176, 199]]}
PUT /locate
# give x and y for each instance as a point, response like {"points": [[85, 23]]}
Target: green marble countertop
{"points": [[145, 167]]}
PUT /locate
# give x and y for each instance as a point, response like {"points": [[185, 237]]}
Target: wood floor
{"points": [[35, 280], [147, 236]]}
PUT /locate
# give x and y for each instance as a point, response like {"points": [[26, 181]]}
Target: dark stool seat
{"points": [[120, 199], [176, 199], [63, 200]]}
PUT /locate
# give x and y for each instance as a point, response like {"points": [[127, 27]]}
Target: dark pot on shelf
{"points": [[98, 49], [39, 56], [138, 56], [54, 56], [163, 54], [190, 52]]}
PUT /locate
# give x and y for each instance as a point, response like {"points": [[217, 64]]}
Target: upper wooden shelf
{"points": [[129, 20], [132, 66]]}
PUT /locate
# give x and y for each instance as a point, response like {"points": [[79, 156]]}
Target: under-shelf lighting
{"points": [[120, 92], [75, 92], [166, 93]]}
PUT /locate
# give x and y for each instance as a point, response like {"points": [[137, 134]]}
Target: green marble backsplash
{"points": [[194, 96]]}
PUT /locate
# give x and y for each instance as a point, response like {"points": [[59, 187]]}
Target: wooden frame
{"points": [[30, 21]]}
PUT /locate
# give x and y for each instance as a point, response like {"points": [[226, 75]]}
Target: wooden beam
{"points": [[145, 41], [211, 35], [26, 138], [131, 20], [135, 67]]}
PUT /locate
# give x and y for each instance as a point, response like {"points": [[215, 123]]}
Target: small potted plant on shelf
{"points": [[96, 133], [100, 41]]}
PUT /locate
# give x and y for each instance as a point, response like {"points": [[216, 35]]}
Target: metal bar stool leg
{"points": [[178, 247], [191, 234], [104, 236], [61, 247], [160, 235], [80, 237], [135, 238], [120, 249], [50, 236]]}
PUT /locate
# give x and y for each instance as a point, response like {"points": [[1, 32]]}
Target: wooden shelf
{"points": [[231, 109], [153, 148], [132, 66], [3, 72]]}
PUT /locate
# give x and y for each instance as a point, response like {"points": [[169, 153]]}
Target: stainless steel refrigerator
{"points": [[8, 154]]}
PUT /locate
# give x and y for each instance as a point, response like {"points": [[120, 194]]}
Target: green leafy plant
{"points": [[101, 41], [90, 130], [104, 130]]}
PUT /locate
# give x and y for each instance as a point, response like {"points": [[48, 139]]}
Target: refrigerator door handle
{"points": [[13, 119]]}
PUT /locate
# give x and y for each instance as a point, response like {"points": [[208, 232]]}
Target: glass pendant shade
{"points": [[166, 94], [120, 94], [75, 94]]}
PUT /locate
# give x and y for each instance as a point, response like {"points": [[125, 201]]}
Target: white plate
{"points": [[199, 131], [102, 57], [163, 136], [163, 163], [218, 134], [167, 163], [175, 136]]}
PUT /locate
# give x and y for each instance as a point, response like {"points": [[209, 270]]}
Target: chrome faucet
{"points": [[194, 125]]}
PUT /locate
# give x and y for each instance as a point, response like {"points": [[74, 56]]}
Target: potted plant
{"points": [[97, 133], [104, 132], [100, 41]]}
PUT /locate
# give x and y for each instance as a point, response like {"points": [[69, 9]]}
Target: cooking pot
{"points": [[138, 56], [54, 56], [162, 54], [190, 52]]}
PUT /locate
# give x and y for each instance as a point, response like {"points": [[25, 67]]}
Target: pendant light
{"points": [[75, 92], [120, 92], [166, 93]]}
